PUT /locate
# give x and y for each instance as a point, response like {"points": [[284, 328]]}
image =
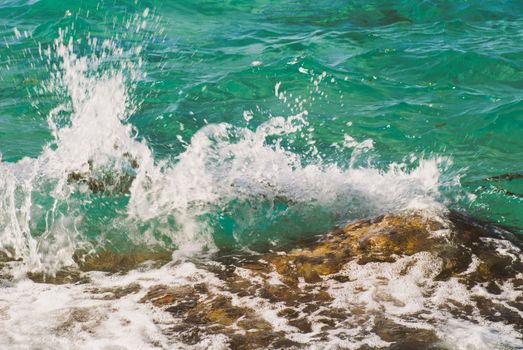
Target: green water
{"points": [[419, 78]]}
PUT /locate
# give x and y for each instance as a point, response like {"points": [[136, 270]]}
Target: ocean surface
{"points": [[200, 127]]}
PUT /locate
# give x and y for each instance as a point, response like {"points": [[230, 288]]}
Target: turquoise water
{"points": [[384, 106]]}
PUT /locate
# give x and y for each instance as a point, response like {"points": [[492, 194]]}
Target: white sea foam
{"points": [[407, 288], [70, 316], [86, 316]]}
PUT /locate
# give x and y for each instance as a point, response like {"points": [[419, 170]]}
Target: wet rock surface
{"points": [[351, 289], [392, 282]]}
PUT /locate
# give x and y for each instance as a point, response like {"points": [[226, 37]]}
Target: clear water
{"points": [[197, 126]]}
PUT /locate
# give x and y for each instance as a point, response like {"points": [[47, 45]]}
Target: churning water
{"points": [[195, 128]]}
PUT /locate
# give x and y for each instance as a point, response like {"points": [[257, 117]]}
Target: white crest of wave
{"points": [[224, 162]]}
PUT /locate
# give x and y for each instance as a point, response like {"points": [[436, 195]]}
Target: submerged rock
{"points": [[118, 180], [114, 261], [392, 282]]}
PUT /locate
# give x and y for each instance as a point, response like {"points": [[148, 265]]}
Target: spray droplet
{"points": [[247, 115]]}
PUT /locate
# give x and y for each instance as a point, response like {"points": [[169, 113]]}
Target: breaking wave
{"points": [[232, 184]]}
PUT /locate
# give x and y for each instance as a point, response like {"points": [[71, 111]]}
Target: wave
{"points": [[97, 183]]}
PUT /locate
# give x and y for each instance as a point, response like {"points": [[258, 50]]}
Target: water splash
{"points": [[237, 182]]}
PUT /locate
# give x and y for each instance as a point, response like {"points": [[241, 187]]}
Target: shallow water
{"points": [[197, 128]]}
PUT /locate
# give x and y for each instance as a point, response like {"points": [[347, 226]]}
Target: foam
{"points": [[63, 317], [406, 288], [77, 316], [464, 335], [405, 292]]}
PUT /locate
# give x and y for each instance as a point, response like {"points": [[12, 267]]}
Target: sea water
{"points": [[196, 127]]}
